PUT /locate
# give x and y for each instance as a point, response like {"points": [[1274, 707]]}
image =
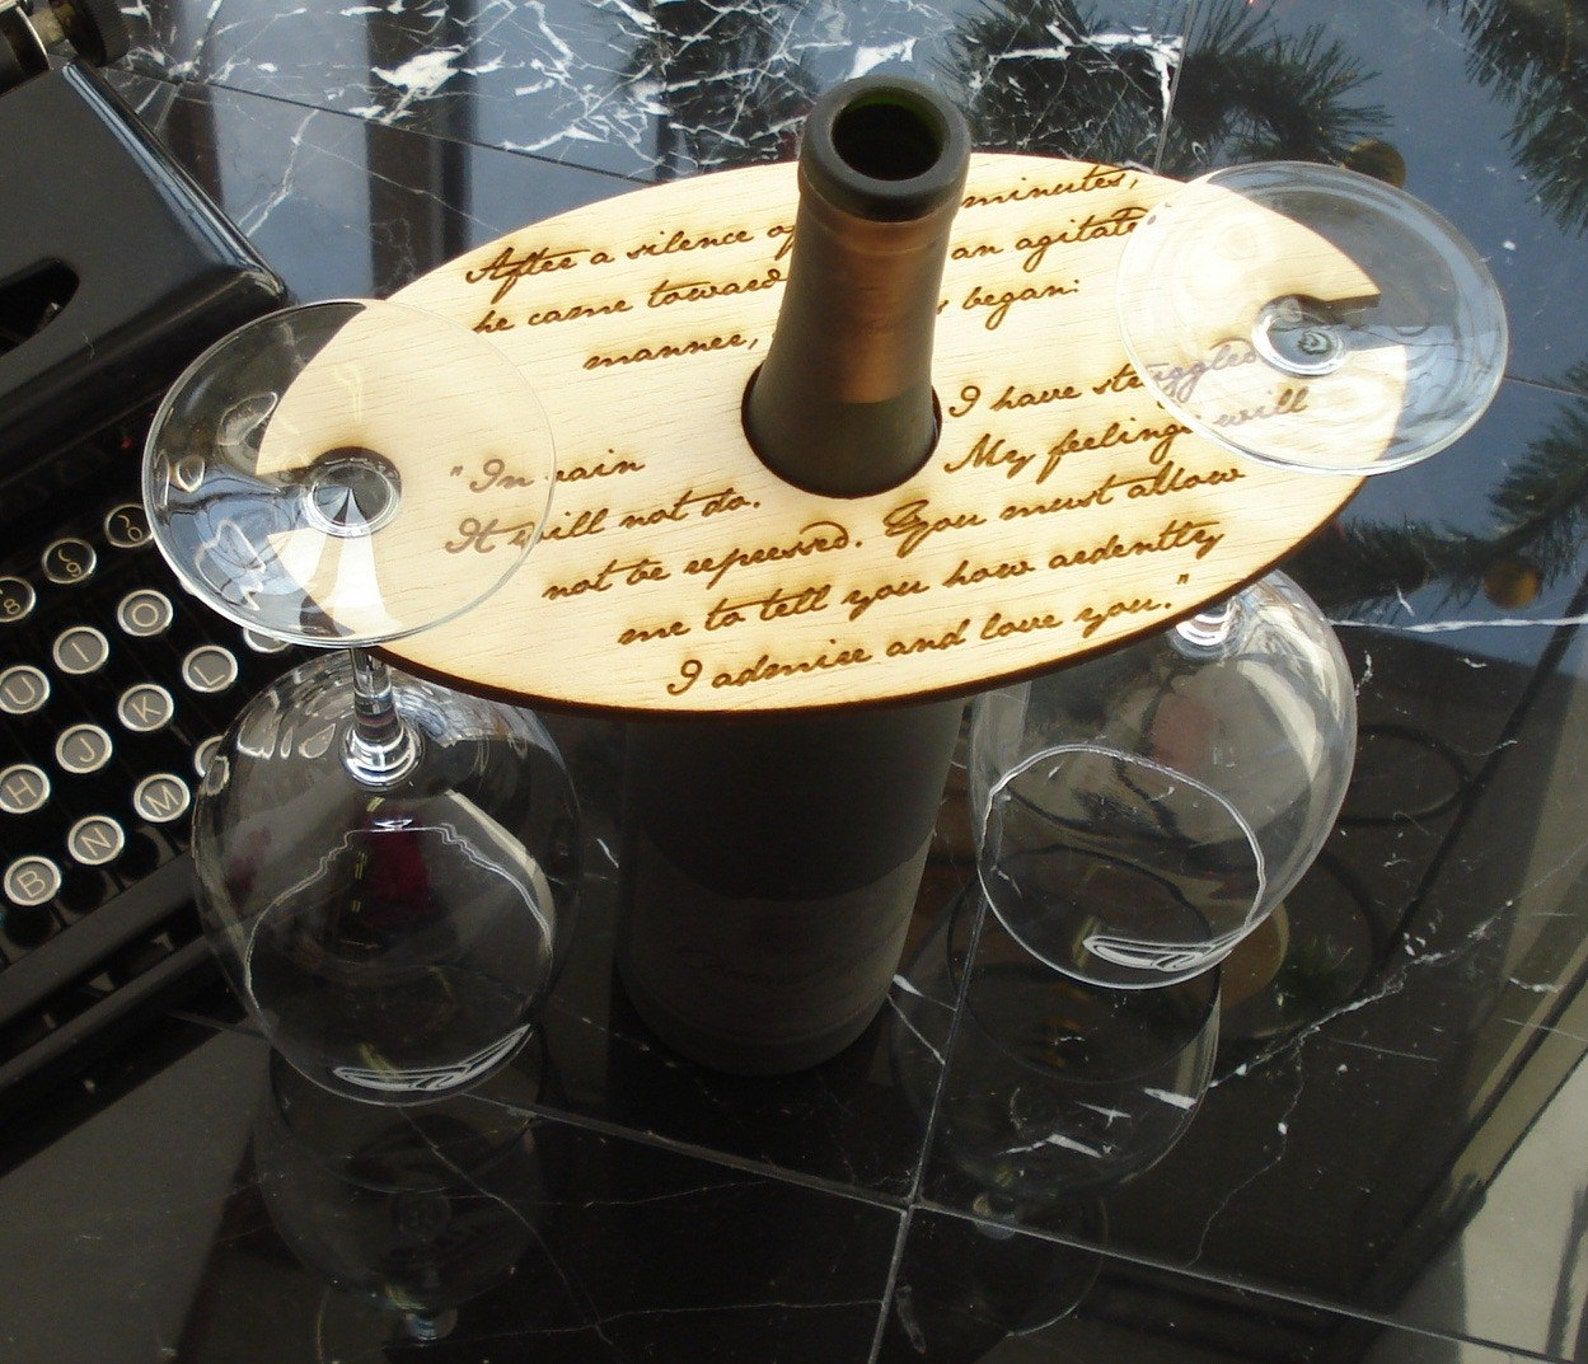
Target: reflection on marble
{"points": [[858, 1120], [1392, 1124], [970, 1291], [225, 1231], [667, 89], [412, 1212], [1471, 550], [1056, 1089], [1377, 86], [342, 208]]}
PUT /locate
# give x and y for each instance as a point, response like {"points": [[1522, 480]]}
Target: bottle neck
{"points": [[844, 405]]}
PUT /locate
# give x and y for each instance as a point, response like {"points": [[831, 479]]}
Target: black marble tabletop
{"points": [[1386, 1161]]}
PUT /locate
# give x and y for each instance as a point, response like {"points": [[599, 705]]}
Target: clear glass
{"points": [[1139, 814], [1311, 317], [348, 472], [386, 869], [411, 1213], [1312, 956], [1058, 1089], [393, 941]]}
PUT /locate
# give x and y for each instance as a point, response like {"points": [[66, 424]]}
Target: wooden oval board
{"points": [[1061, 512]]}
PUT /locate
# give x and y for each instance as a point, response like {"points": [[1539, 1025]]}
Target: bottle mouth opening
{"points": [[887, 149], [888, 135]]}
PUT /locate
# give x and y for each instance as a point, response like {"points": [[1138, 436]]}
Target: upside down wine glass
{"points": [[1141, 814], [386, 868]]}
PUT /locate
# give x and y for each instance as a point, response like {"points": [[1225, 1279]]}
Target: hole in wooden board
{"points": [[931, 448]]}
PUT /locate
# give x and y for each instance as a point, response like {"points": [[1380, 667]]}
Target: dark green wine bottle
{"points": [[771, 864]]}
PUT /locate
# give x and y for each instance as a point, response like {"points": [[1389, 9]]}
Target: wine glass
{"points": [[385, 868], [413, 1213], [1143, 813], [1311, 317], [1140, 813], [1056, 1089]]}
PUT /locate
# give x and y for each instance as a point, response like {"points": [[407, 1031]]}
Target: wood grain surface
{"points": [[382, 387], [1061, 512]]}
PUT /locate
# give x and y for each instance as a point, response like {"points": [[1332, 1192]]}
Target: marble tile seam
{"points": [[890, 1284], [1547, 385], [925, 1155], [1278, 1292], [908, 1205], [242, 1027], [619, 180], [782, 1174], [971, 948]]}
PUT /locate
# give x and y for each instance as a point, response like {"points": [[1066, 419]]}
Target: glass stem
{"points": [[381, 748], [1208, 631]]}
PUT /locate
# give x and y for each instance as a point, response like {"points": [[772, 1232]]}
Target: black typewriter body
{"points": [[115, 273]]}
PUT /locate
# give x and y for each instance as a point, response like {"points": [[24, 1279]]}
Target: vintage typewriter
{"points": [[115, 272]]}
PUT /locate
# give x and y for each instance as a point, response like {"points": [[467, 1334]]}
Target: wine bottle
{"points": [[771, 864]]}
